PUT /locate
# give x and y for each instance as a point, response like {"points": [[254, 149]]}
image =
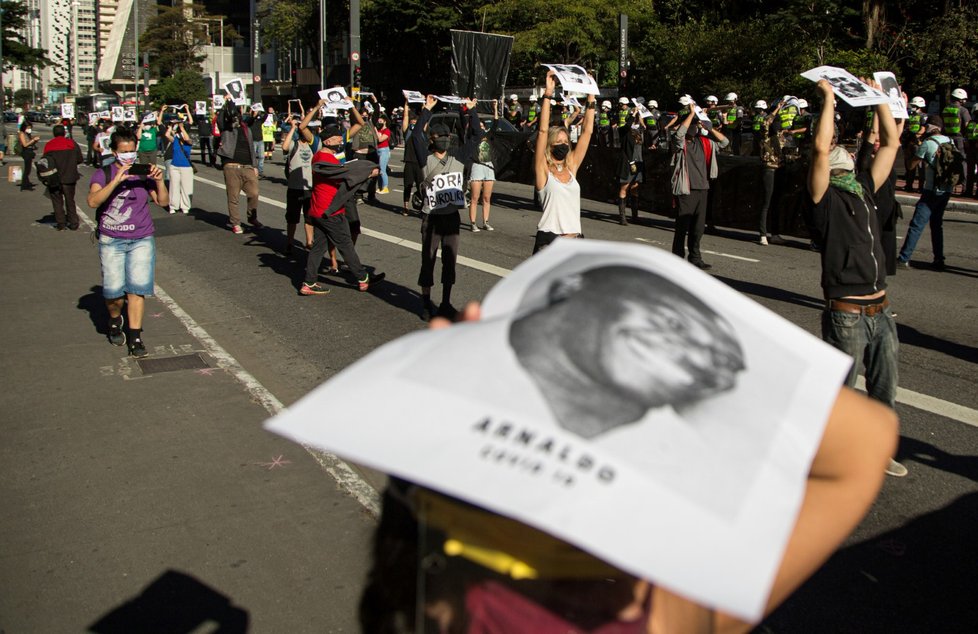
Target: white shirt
{"points": [[561, 206]]}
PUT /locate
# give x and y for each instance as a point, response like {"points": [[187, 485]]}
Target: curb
{"points": [[952, 205]]}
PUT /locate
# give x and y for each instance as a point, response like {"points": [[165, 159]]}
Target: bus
{"points": [[98, 102]]}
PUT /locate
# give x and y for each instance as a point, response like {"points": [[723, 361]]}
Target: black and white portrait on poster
{"points": [[612, 395], [129, 114], [92, 118], [413, 96], [67, 111], [217, 101], [336, 98], [118, 113], [574, 79], [236, 91], [200, 107], [888, 84], [847, 86]]}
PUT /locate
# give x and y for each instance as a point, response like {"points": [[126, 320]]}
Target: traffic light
{"points": [[356, 75]]}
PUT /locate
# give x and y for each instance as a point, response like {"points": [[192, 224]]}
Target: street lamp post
{"points": [[74, 83]]}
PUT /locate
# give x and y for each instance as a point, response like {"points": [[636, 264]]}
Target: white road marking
{"points": [[724, 255], [931, 404], [344, 475]]}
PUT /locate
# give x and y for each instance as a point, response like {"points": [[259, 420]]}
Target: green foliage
{"points": [[23, 98], [944, 54], [174, 37], [15, 52], [185, 86], [285, 21]]}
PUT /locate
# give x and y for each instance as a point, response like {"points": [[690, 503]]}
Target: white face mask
{"points": [[126, 158]]}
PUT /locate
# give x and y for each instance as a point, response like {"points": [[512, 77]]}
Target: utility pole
{"points": [[355, 78], [3, 105], [255, 54], [322, 44], [135, 58]]}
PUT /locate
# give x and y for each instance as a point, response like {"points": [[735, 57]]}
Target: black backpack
{"points": [[948, 166], [47, 172]]}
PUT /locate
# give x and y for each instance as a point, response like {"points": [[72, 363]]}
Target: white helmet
{"points": [[653, 103], [533, 99], [919, 102], [553, 102], [383, 109], [731, 96], [685, 100], [623, 100], [606, 104], [959, 93], [513, 97], [712, 99], [802, 103], [761, 104]]}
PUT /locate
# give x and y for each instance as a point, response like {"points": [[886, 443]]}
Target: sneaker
{"points": [[73, 226], [171, 211], [365, 283], [185, 211], [474, 228], [60, 228], [253, 221], [701, 265], [903, 264], [313, 289], [447, 311], [939, 266], [762, 241], [487, 226], [896, 469], [385, 190], [428, 310], [117, 336], [137, 349], [236, 229], [777, 240]]}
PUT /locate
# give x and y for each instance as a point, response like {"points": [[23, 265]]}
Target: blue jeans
{"points": [[259, 149], [929, 209], [127, 266], [870, 341], [384, 154]]}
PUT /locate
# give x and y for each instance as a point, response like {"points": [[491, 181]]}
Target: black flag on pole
{"points": [[480, 64]]}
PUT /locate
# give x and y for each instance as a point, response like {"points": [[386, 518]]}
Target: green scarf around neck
{"points": [[847, 182]]}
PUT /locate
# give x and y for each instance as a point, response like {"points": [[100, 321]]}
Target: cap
{"points": [[712, 99], [761, 104], [623, 100], [802, 103], [513, 97], [959, 93], [731, 96], [840, 159], [919, 102], [330, 130]]}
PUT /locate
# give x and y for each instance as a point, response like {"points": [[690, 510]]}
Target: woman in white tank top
{"points": [[555, 168]]}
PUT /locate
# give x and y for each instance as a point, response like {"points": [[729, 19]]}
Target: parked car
{"points": [[35, 116]]}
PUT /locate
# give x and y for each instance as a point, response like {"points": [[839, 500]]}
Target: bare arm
{"points": [[584, 140], [359, 124], [889, 143], [818, 173], [540, 158], [307, 117]]}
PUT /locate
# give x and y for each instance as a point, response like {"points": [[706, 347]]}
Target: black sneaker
{"points": [[429, 310], [701, 265], [137, 349], [447, 311], [117, 336]]}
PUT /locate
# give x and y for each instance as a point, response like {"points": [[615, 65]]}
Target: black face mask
{"points": [[559, 152], [334, 148], [441, 143]]}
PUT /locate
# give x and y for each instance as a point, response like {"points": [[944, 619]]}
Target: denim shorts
{"points": [[127, 266]]}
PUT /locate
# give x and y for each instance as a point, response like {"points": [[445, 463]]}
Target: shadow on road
{"points": [[94, 303], [771, 292], [910, 336], [178, 604], [916, 578]]}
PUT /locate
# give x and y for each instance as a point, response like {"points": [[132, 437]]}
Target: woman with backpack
{"points": [[181, 171]]}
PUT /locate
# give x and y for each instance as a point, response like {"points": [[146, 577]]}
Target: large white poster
{"points": [[574, 79], [236, 92], [613, 396], [847, 86]]}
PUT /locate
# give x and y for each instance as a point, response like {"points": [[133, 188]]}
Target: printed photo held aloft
{"points": [[236, 91], [614, 396], [847, 86], [574, 79]]}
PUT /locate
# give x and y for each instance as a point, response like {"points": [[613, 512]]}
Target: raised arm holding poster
{"points": [[336, 98], [847, 86], [683, 431], [129, 114], [67, 111], [217, 101], [92, 118], [574, 79], [200, 107], [452, 99]]}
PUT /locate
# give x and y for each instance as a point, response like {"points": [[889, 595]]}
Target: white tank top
{"points": [[561, 206]]}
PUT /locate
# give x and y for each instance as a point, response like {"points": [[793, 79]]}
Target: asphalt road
{"points": [[910, 564]]}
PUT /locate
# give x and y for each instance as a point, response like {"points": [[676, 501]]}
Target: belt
{"points": [[869, 311]]}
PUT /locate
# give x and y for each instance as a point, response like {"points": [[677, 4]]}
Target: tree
{"points": [[23, 97], [174, 36], [185, 86], [17, 54]]}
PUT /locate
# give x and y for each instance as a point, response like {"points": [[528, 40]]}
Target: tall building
{"points": [[119, 22], [69, 33]]}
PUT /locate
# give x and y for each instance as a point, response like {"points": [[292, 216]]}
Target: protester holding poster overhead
{"points": [[239, 162], [181, 170], [443, 189], [555, 172], [148, 133], [857, 317]]}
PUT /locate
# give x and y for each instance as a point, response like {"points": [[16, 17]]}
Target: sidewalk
{"points": [[149, 494]]}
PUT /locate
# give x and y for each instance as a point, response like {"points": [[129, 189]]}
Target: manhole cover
{"points": [[172, 364]]}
